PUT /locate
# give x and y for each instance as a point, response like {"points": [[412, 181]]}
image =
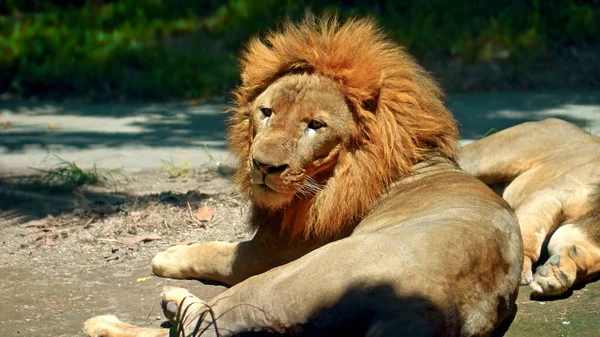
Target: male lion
{"points": [[365, 225], [552, 169]]}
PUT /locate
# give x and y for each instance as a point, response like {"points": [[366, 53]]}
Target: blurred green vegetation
{"points": [[173, 49]]}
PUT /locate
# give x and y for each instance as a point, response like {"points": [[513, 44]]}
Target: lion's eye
{"points": [[266, 112], [314, 124]]}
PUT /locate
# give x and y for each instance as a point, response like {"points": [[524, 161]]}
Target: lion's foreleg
{"points": [[538, 215], [230, 263], [574, 257], [210, 260]]}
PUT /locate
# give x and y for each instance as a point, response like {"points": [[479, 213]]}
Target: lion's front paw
{"points": [[101, 326], [526, 274], [553, 278], [182, 308], [174, 262]]}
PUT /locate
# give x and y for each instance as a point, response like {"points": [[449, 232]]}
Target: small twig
{"points": [[192, 214], [88, 233], [107, 240], [88, 222], [152, 307], [190, 209]]}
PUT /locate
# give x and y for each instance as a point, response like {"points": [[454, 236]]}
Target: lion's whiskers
{"points": [[310, 187]]}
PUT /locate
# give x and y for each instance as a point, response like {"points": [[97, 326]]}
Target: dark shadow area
{"points": [[379, 311], [502, 329], [24, 198], [484, 113], [579, 286]]}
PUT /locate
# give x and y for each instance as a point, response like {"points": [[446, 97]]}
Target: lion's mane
{"points": [[397, 107]]}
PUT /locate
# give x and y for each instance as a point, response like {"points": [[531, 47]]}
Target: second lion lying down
{"points": [[552, 172], [365, 224]]}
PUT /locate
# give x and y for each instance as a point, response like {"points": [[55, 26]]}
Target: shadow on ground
{"points": [[480, 114], [25, 198], [83, 126], [88, 126]]}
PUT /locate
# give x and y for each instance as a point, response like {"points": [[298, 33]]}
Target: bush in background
{"points": [[173, 49]]}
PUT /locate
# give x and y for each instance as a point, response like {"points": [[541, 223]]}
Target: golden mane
{"points": [[397, 107]]}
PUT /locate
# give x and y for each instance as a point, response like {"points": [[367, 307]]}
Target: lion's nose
{"points": [[268, 168]]}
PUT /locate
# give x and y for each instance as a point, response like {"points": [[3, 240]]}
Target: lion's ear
{"points": [[371, 103]]}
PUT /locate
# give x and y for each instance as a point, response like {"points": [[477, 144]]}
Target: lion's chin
{"points": [[266, 197]]}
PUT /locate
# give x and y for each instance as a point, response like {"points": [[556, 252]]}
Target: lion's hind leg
{"points": [[574, 258], [111, 326]]}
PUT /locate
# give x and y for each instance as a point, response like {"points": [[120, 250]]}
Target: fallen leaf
{"points": [[6, 125], [47, 241], [205, 213], [52, 126], [132, 241], [183, 243], [142, 279]]}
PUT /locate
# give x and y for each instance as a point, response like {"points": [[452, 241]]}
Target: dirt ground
{"points": [[68, 256]]}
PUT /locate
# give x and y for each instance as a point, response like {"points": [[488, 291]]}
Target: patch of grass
{"points": [[67, 175], [490, 132], [179, 170]]}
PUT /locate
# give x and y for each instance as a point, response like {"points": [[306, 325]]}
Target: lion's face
{"points": [[300, 125]]}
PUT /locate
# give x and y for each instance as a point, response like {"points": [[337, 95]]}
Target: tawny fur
{"points": [[591, 220], [413, 265], [396, 104], [551, 170]]}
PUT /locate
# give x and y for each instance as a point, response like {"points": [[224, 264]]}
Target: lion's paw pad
{"points": [[550, 279]]}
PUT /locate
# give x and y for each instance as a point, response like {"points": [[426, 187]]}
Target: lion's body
{"points": [[365, 225], [552, 174]]}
